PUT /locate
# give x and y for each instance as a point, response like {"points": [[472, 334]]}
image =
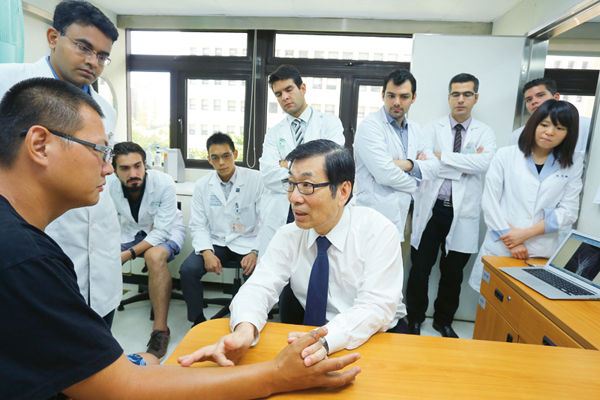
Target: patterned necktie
{"points": [[457, 137], [316, 297], [298, 131]]}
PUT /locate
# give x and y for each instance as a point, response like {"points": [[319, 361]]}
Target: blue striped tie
{"points": [[316, 297]]}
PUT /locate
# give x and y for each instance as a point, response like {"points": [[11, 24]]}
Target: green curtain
{"points": [[12, 44]]}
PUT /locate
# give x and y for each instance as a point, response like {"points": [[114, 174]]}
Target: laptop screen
{"points": [[580, 255]]}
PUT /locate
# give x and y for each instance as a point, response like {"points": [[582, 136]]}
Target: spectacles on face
{"points": [[303, 187], [224, 157], [107, 151], [84, 50], [466, 95]]}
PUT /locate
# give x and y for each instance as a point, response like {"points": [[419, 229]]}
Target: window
{"points": [[372, 48], [198, 91], [150, 117], [173, 43], [207, 86]]}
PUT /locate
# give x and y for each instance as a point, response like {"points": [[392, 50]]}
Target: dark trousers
{"points": [[108, 318], [291, 311], [191, 272], [451, 270]]}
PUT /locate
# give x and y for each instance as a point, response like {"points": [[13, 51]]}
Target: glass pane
{"points": [[584, 104], [369, 100], [336, 47], [150, 108], [572, 62], [173, 43], [219, 112], [327, 94]]}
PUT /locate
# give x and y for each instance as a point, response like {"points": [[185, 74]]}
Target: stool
{"points": [[226, 301]]}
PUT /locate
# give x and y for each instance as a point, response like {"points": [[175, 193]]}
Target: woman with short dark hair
{"points": [[532, 190]]}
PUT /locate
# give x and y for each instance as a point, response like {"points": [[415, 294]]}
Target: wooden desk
{"points": [[509, 310], [398, 366]]}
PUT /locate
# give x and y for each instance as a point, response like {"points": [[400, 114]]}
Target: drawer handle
{"points": [[498, 295], [547, 342], [509, 338]]}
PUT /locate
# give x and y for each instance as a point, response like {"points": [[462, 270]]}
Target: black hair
{"points": [[560, 112], [339, 164], [398, 77], [51, 103], [124, 148], [548, 83], [83, 13], [219, 138], [283, 72], [462, 78]]}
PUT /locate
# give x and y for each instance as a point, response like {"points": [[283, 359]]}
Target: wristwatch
{"points": [[133, 256], [254, 251], [325, 344]]}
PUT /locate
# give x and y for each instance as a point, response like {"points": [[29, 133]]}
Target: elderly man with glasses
{"points": [[224, 224], [343, 264], [80, 41]]}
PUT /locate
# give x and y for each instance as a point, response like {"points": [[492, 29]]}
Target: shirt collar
{"points": [[231, 180], [464, 124], [86, 88], [392, 120], [337, 235], [305, 116]]}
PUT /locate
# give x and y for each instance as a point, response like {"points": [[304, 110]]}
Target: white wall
{"points": [[589, 214], [496, 62]]}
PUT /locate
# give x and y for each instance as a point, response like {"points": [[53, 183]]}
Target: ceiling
{"points": [[425, 10]]}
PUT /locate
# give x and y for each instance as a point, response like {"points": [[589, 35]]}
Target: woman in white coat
{"points": [[532, 189]]}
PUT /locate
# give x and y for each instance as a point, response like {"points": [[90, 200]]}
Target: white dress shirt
{"points": [[365, 277]]}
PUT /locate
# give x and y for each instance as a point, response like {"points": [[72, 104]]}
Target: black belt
{"points": [[444, 203]]}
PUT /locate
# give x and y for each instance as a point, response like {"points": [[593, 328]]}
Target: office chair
{"points": [[143, 293], [226, 301]]}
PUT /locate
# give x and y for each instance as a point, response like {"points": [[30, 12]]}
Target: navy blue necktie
{"points": [[316, 297]]}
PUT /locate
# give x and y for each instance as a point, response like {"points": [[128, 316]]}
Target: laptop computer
{"points": [[572, 273]]}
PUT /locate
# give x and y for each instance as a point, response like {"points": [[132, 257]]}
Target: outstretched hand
{"points": [[226, 352]]}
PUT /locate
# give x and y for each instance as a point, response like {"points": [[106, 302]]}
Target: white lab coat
{"points": [[380, 184], [279, 142], [466, 170], [158, 212], [232, 222], [515, 194], [582, 139], [88, 235]]}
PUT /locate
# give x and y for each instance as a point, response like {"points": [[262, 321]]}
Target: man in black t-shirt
{"points": [[54, 157]]}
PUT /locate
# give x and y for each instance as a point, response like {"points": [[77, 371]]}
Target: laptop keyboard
{"points": [[558, 282]]}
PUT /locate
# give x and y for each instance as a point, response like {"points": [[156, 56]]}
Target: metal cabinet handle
{"points": [[547, 342], [499, 295]]}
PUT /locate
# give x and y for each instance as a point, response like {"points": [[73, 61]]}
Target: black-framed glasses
{"points": [[467, 95], [107, 151], [303, 187], [84, 50], [224, 157]]}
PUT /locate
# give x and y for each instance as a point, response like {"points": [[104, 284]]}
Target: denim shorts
{"points": [[170, 245]]}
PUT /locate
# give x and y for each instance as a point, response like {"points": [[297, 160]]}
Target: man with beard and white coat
{"points": [[447, 208], [388, 149], [80, 42], [302, 124]]}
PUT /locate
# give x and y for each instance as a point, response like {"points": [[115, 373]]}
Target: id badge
{"points": [[238, 228]]}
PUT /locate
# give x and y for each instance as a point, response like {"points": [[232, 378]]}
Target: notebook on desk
{"points": [[570, 274]]}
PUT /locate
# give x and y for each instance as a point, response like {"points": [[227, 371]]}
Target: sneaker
{"points": [[158, 343]]}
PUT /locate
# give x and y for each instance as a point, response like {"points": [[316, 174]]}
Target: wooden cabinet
{"points": [[509, 311]]}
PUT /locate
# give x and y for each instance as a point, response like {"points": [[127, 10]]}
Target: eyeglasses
{"points": [[303, 187], [107, 151], [224, 157], [467, 95], [84, 50]]}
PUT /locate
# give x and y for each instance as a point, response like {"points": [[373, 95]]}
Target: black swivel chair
{"points": [[226, 301]]}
